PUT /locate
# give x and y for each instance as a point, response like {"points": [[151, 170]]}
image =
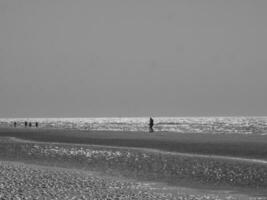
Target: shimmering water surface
{"points": [[216, 125]]}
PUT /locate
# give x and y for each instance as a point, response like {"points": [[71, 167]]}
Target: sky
{"points": [[122, 58]]}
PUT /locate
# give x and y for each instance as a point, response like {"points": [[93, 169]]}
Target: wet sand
{"points": [[246, 146]]}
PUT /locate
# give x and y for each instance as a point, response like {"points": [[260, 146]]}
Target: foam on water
{"points": [[216, 125]]}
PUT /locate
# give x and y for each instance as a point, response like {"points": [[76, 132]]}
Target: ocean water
{"points": [[215, 125]]}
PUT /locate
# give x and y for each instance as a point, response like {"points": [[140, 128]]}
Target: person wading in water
{"points": [[151, 124]]}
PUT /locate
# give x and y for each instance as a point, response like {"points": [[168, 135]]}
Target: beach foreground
{"points": [[159, 174], [21, 181], [24, 181]]}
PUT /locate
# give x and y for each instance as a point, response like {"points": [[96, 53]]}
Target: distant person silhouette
{"points": [[36, 124], [15, 124], [151, 124], [25, 124], [30, 124]]}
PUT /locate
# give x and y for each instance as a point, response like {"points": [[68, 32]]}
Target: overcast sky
{"points": [[96, 58]]}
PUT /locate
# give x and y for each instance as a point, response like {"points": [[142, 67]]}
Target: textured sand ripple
{"points": [[20, 181]]}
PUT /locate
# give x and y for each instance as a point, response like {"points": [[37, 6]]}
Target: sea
{"points": [[198, 125]]}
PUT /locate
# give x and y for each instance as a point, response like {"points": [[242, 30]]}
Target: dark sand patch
{"points": [[246, 146], [240, 159]]}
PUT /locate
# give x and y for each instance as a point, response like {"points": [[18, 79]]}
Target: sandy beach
{"points": [[21, 181], [208, 166]]}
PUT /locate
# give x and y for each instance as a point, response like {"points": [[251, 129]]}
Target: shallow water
{"points": [[215, 125]]}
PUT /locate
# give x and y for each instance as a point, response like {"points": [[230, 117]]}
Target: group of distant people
{"points": [[28, 124]]}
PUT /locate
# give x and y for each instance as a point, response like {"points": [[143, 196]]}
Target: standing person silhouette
{"points": [[151, 124]]}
